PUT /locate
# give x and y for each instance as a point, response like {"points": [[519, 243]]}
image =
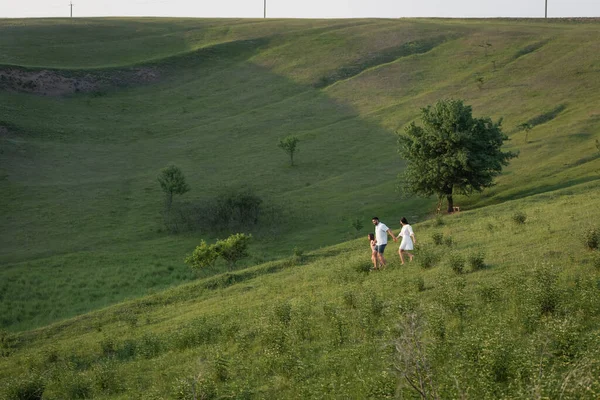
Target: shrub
{"points": [[194, 388], [357, 224], [439, 220], [237, 208], [234, 248], [76, 386], [106, 378], [519, 217], [456, 262], [427, 259], [203, 256], [350, 299], [362, 267], [476, 260], [419, 283], [438, 238], [448, 241], [546, 290], [596, 260], [298, 256], [28, 387], [489, 293], [591, 238]]}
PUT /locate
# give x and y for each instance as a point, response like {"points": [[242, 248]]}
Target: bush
{"points": [[203, 256], [29, 387], [77, 386], [357, 224], [591, 238], [448, 241], [456, 262], [427, 259], [237, 208], [234, 248], [419, 283], [106, 378], [194, 388], [476, 260], [519, 217], [439, 220], [298, 256], [596, 260], [438, 238]]}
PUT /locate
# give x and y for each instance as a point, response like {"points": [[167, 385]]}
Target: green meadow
{"points": [[96, 301]]}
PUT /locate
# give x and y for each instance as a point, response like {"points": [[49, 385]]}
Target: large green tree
{"points": [[451, 152]]}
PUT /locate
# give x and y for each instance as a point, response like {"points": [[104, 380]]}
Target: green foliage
{"points": [[456, 262], [234, 248], [419, 283], [451, 152], [438, 238], [28, 387], [172, 182], [357, 224], [203, 256], [427, 259], [298, 256], [475, 260], [547, 116], [596, 260], [598, 145], [448, 241], [288, 145], [591, 238], [545, 290], [106, 377], [194, 388], [519, 217], [74, 385], [236, 208]]}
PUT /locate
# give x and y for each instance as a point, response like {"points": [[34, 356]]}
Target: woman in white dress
{"points": [[408, 240]]}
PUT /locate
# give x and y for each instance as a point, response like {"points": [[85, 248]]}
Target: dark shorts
{"points": [[380, 248]]}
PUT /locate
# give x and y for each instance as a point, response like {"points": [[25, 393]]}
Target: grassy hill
{"points": [[92, 109], [520, 321]]}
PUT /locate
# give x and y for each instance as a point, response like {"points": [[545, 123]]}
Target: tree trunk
{"points": [[169, 201], [450, 201]]}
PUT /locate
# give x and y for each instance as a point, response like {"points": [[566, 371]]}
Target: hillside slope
{"points": [[520, 322], [81, 207]]}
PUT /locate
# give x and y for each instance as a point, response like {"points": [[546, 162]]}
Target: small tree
{"points": [[451, 152], [203, 256], [288, 145], [526, 127], [172, 181], [234, 248]]}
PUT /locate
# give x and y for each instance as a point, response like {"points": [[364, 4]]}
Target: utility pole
{"points": [[71, 5], [265, 15], [546, 14]]}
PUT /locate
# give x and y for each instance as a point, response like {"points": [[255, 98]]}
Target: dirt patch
{"points": [[48, 82]]}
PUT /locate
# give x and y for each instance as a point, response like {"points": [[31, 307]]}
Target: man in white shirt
{"points": [[381, 232]]}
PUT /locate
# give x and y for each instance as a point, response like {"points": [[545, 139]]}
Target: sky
{"points": [[300, 8]]}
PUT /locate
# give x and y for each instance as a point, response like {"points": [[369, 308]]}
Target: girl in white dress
{"points": [[408, 240]]}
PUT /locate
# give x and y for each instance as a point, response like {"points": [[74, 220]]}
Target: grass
{"points": [[81, 206], [334, 323]]}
